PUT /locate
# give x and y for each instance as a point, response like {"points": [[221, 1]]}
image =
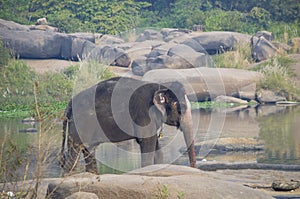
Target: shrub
{"points": [[278, 77], [239, 58], [4, 55]]}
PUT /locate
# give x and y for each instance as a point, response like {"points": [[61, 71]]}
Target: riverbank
{"points": [[166, 181]]}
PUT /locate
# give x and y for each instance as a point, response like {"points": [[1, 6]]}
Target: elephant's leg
{"points": [[158, 158], [147, 146], [90, 161]]}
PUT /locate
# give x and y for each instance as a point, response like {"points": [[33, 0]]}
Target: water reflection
{"points": [[278, 127], [281, 133]]}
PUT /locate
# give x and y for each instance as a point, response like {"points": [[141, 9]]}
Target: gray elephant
{"points": [[120, 109]]}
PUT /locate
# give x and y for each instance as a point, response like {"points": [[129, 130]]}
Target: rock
{"points": [[12, 26], [109, 40], [139, 66], [281, 46], [206, 83], [262, 48], [82, 195], [72, 48], [192, 184], [218, 42], [109, 55], [248, 92], [229, 99], [187, 55], [267, 96], [266, 34], [149, 35], [33, 44], [84, 36], [42, 21], [282, 185], [195, 45], [44, 28]]}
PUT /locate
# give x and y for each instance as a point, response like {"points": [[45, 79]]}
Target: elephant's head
{"points": [[175, 107]]}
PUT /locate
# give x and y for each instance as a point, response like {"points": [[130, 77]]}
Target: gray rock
{"points": [[206, 83], [282, 185], [194, 44], [266, 34], [149, 35], [10, 25], [229, 99], [109, 40], [109, 55], [82, 195], [72, 48], [262, 49], [139, 66], [267, 96], [219, 42], [42, 21], [33, 44], [188, 55], [248, 92], [193, 184], [85, 36]]}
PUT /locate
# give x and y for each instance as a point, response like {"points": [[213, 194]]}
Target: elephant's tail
{"points": [[67, 117]]}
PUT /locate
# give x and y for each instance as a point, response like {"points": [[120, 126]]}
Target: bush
{"points": [[239, 58], [278, 77], [4, 55]]}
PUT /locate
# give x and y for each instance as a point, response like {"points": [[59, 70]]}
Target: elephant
{"points": [[123, 108]]}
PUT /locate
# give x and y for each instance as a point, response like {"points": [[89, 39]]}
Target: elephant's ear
{"points": [[159, 100]]}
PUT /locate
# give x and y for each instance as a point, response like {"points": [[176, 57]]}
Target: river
{"points": [[276, 129]]}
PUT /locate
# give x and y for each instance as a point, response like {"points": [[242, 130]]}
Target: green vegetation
{"points": [[239, 58], [278, 77], [162, 192], [117, 16], [54, 89]]}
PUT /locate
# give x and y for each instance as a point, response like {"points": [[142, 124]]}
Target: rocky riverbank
{"points": [[165, 181]]}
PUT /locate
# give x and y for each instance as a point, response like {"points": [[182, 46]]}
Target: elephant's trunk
{"points": [[186, 125]]}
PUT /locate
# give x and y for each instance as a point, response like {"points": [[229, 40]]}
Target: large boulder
{"points": [[219, 42], [262, 49], [149, 35], [156, 181], [74, 48], [207, 83], [33, 44], [109, 55], [30, 42]]}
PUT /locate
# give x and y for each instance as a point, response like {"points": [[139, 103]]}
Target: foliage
{"points": [[89, 74], [117, 16], [16, 89], [4, 55], [105, 16], [239, 58], [162, 192], [278, 77]]}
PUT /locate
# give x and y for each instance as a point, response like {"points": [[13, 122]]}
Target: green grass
{"points": [[279, 77], [240, 58], [54, 90]]}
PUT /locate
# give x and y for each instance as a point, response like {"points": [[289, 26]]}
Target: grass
{"points": [[55, 89], [240, 58], [279, 77]]}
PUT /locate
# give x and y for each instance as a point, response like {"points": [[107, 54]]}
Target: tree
{"points": [[104, 16]]}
